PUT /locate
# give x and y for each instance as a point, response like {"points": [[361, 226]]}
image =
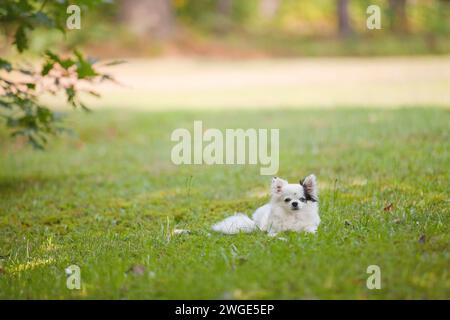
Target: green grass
{"points": [[108, 199]]}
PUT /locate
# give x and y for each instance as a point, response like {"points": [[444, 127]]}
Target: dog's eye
{"points": [[303, 199], [287, 199]]}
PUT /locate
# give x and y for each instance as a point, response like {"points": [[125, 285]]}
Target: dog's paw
{"points": [[312, 230]]}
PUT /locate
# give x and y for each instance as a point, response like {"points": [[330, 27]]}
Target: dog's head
{"points": [[293, 197]]}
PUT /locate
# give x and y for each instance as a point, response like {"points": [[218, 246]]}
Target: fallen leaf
{"points": [[422, 239], [137, 269]]}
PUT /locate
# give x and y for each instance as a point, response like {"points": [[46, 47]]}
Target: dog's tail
{"points": [[235, 224]]}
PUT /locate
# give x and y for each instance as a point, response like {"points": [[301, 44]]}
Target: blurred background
{"points": [[262, 53]]}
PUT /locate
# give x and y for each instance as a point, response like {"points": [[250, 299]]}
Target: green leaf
{"points": [[52, 56], [21, 39], [47, 67], [3, 12], [5, 65], [5, 104], [70, 94], [93, 93], [44, 115], [42, 19], [84, 107], [65, 63], [84, 68], [115, 62], [35, 142], [31, 85]]}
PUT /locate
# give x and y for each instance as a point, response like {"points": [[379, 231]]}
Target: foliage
{"points": [[22, 85], [316, 18], [206, 15]]}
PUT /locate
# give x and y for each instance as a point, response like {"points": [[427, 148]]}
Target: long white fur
{"points": [[235, 224], [278, 215]]}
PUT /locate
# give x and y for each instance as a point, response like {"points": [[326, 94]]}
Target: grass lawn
{"points": [[108, 200]]}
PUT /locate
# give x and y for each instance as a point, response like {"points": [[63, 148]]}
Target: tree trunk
{"points": [[399, 17], [149, 18], [268, 8], [223, 21], [225, 7], [344, 26]]}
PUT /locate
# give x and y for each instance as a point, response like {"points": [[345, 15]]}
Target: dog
{"points": [[293, 207]]}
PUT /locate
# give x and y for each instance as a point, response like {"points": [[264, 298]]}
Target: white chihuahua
{"points": [[292, 207]]}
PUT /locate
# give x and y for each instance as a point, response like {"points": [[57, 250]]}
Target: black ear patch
{"points": [[310, 187]]}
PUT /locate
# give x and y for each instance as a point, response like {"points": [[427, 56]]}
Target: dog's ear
{"points": [[277, 185], [309, 185]]}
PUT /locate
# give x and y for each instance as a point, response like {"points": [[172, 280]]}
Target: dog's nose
{"points": [[295, 204]]}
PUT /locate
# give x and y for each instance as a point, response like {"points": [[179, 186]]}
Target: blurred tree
{"points": [[268, 8], [150, 19], [224, 16], [225, 7], [399, 18], [21, 84], [344, 27]]}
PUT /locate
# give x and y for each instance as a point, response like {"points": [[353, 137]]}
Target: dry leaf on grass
{"points": [[137, 269], [422, 239]]}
